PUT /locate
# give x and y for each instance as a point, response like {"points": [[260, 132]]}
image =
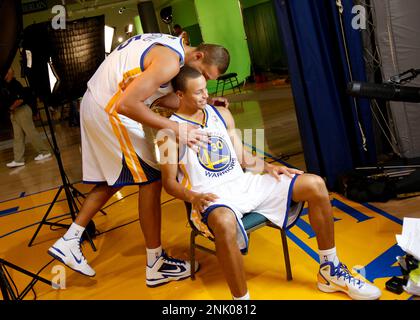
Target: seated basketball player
{"points": [[213, 181]]}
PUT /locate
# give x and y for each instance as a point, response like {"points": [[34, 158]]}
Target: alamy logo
{"points": [[59, 20], [359, 20], [59, 279]]}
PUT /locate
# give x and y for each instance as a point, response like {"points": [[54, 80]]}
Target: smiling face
{"points": [[194, 96]]}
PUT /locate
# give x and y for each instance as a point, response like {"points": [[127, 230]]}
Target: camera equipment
{"points": [[386, 91], [391, 90], [395, 285], [381, 183]]}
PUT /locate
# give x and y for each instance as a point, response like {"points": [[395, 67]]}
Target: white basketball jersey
{"points": [[126, 63], [211, 166]]}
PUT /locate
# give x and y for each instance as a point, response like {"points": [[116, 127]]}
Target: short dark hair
{"points": [[215, 55], [177, 26], [185, 73]]}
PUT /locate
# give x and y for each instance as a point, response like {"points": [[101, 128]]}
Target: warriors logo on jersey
{"points": [[216, 156]]}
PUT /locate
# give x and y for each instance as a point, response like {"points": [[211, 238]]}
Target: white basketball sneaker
{"points": [[68, 252], [167, 269], [333, 279]]}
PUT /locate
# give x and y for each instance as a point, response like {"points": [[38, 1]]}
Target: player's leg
{"points": [[150, 213], [222, 222], [101, 160], [333, 275], [160, 268], [67, 248], [312, 189]]}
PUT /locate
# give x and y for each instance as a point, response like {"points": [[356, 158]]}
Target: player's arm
{"points": [[168, 150], [161, 65], [170, 101], [248, 160]]}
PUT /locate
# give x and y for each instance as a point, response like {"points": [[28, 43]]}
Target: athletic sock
{"points": [[75, 231], [329, 255], [245, 297], [153, 255]]}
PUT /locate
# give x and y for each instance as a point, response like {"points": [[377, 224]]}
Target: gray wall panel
{"points": [[398, 36]]}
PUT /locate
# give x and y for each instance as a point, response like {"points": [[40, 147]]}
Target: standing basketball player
{"points": [[117, 152], [213, 181]]}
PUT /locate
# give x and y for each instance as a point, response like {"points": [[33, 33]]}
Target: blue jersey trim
{"points": [[218, 113], [211, 208], [181, 56], [206, 118], [289, 201]]}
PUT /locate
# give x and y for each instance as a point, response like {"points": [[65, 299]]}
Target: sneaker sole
{"points": [[161, 282], [52, 254], [330, 289]]}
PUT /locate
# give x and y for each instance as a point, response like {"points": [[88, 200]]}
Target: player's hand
{"points": [[277, 171], [200, 201], [193, 136], [219, 102]]}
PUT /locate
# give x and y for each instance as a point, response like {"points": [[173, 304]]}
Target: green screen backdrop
{"points": [[221, 23]]}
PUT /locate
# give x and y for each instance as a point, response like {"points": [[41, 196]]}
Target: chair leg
{"points": [[231, 85], [217, 87], [223, 89], [286, 255], [237, 82], [192, 254]]}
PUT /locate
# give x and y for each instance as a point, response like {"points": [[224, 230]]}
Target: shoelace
{"points": [[342, 271], [171, 259], [79, 252]]}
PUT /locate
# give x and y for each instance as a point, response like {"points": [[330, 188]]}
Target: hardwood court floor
{"points": [[365, 234]]}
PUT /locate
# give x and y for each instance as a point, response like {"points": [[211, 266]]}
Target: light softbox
{"points": [[75, 52]]}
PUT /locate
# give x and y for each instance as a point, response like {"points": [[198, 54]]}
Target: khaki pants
{"points": [[23, 125]]}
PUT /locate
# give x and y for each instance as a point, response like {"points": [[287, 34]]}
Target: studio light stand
{"points": [[69, 189], [5, 286]]}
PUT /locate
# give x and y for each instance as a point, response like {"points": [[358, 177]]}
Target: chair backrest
{"points": [[227, 76]]}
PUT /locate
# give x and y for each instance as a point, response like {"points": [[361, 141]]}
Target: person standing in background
{"points": [[23, 125], [179, 32]]}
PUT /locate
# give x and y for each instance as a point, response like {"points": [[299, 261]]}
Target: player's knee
{"points": [[317, 188], [223, 223]]}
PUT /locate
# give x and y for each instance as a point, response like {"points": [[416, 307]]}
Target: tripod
{"points": [[5, 287], [70, 192]]}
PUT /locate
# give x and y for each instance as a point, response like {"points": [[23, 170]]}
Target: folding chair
{"points": [[228, 77], [252, 221]]}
